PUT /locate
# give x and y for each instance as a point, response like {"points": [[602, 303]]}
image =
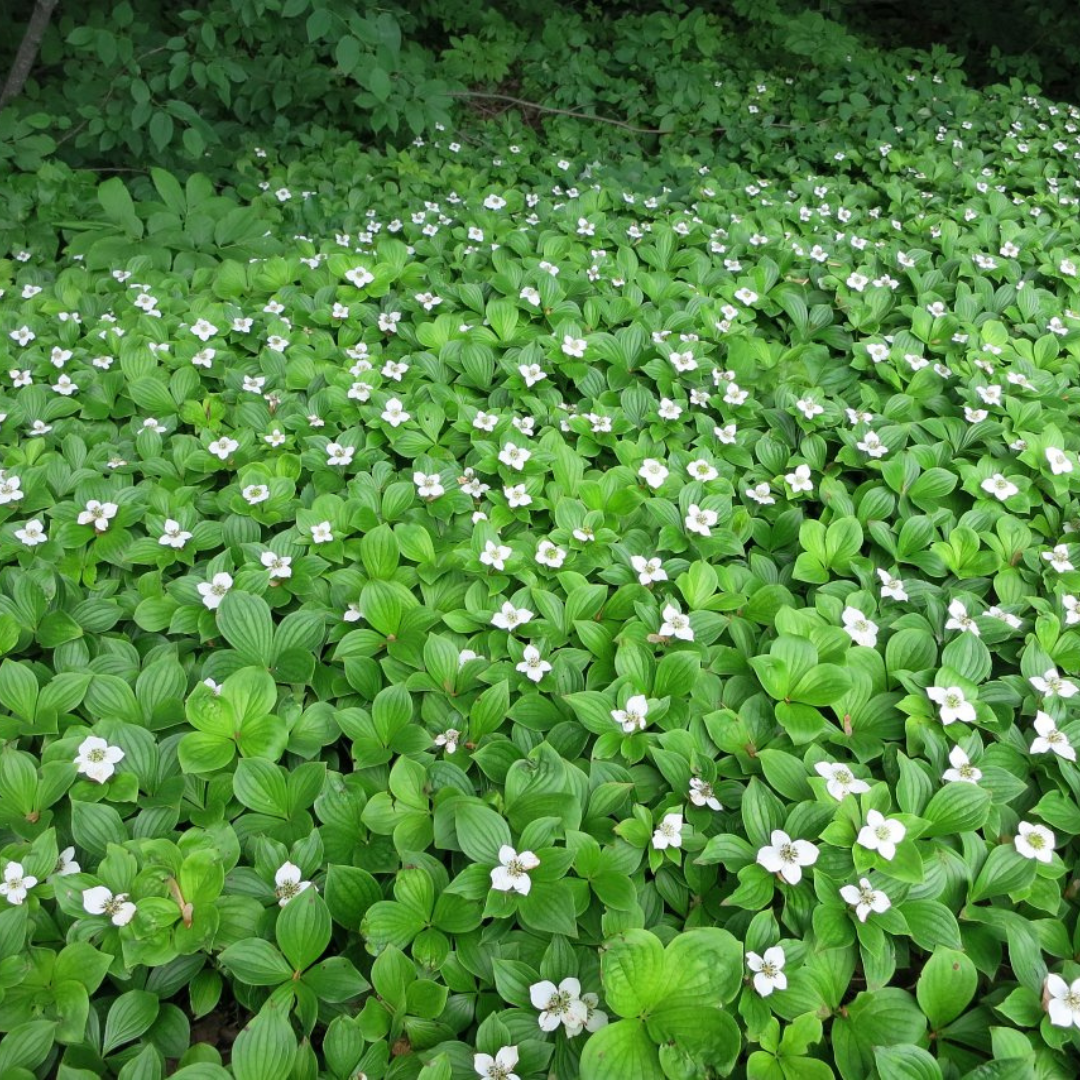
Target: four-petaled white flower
{"points": [[550, 554], [572, 346], [865, 899], [97, 759], [16, 883], [1001, 487], [213, 590], [840, 780], [653, 472], [702, 793], [881, 834], [859, 628], [336, 454], [952, 704], [1051, 684], [512, 873], [648, 570], [800, 479], [499, 1067], [1049, 738], [448, 740], [891, 587], [98, 514], [560, 1004], [699, 520], [533, 666], [768, 970], [1058, 460], [514, 456], [394, 413], [66, 864], [669, 832], [676, 624], [32, 533], [634, 716], [100, 901], [959, 619], [1063, 1001], [509, 617], [1058, 558], [223, 447], [173, 535], [322, 533], [288, 882], [962, 771], [495, 555], [1034, 842], [428, 485], [280, 566], [787, 857]]}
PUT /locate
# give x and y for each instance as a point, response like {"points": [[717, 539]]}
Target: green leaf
{"points": [[480, 832], [1005, 871], [946, 986], [130, 1015], [622, 1049], [303, 929], [266, 1048], [256, 962], [245, 621], [632, 968], [905, 1062]]}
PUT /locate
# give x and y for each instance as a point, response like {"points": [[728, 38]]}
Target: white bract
{"points": [[560, 1004], [787, 857], [859, 628], [633, 717], [96, 759], [676, 624], [1063, 1001], [768, 970], [1034, 842], [214, 590], [865, 899], [98, 514], [1050, 739], [16, 883], [962, 770], [533, 666], [1051, 684], [101, 901], [952, 704], [840, 780], [512, 873], [669, 832], [881, 834], [499, 1067], [288, 882]]}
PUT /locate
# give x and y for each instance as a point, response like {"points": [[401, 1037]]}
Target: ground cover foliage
{"points": [[542, 600]]}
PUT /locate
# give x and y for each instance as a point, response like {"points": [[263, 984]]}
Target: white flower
{"points": [[204, 330], [1050, 739], [573, 346], [98, 514], [66, 864], [359, 276], [10, 490], [448, 739], [32, 533], [97, 759], [1000, 487], [699, 520], [510, 617], [702, 793], [809, 408], [428, 485], [1004, 616], [1064, 1001], [514, 456], [548, 554], [213, 687], [1070, 603], [859, 628], [172, 535], [1034, 842], [499, 1067], [495, 555], [1059, 558], [213, 590], [394, 413], [336, 454], [746, 296], [483, 421], [532, 665], [840, 780], [890, 586], [676, 624], [353, 613], [1050, 684], [962, 770], [653, 472], [881, 834], [799, 480], [872, 445], [512, 873], [1059, 461], [560, 1004], [322, 533], [255, 494], [465, 656], [760, 494], [865, 899], [280, 566], [648, 570], [787, 857], [516, 495], [725, 434], [633, 717], [668, 833], [953, 705], [532, 373], [223, 447], [16, 883], [287, 883], [594, 1019], [101, 901], [768, 970], [530, 295]]}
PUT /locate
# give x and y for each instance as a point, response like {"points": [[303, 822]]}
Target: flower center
{"points": [[1036, 841], [967, 771], [952, 701], [1072, 1000], [882, 832], [559, 1003], [113, 904], [788, 853], [770, 971], [96, 755], [866, 896], [287, 890]]}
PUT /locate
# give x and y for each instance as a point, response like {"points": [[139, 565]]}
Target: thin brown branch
{"points": [[28, 51], [536, 107]]}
